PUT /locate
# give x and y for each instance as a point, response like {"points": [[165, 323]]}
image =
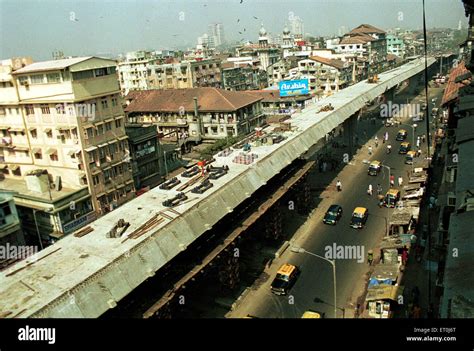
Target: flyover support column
{"points": [[389, 95], [350, 133]]}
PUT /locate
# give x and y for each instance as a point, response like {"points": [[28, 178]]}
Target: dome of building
{"points": [[262, 32], [286, 31]]}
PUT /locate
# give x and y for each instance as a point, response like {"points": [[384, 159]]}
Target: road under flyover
{"points": [[85, 276]]}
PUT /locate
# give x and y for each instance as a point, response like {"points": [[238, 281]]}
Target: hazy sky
{"points": [[80, 27]]}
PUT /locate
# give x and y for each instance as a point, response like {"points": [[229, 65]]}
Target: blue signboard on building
{"points": [[294, 87]]}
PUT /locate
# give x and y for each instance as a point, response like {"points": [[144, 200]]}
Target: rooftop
{"points": [[52, 65], [452, 88], [366, 28], [329, 62], [172, 100]]}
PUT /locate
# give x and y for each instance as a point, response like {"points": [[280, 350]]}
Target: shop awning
{"points": [[3, 166], [90, 148], [17, 129], [36, 150], [72, 152], [4, 127], [47, 130], [384, 292], [32, 129], [51, 151], [13, 167], [22, 148]]}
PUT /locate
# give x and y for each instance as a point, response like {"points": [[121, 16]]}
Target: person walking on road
{"points": [[392, 180], [389, 148], [376, 141], [370, 150], [369, 190], [400, 181], [339, 185], [418, 141], [379, 189]]}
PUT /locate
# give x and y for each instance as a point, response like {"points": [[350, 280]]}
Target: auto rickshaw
{"points": [[402, 135], [374, 168], [312, 314], [391, 198], [410, 157], [404, 148], [359, 217]]}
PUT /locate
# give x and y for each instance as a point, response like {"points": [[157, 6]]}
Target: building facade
{"points": [[70, 122], [214, 114]]}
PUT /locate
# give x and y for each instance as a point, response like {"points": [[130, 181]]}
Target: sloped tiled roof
{"points": [[358, 38], [366, 28], [327, 61], [452, 88], [209, 100]]}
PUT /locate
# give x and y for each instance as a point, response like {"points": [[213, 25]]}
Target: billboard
{"points": [[294, 87]]}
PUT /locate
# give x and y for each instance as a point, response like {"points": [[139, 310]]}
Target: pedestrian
{"points": [[339, 185], [392, 180], [382, 260], [389, 148], [369, 190], [379, 189], [370, 257], [370, 150], [418, 141], [386, 136], [376, 141], [404, 256], [414, 126], [400, 181]]}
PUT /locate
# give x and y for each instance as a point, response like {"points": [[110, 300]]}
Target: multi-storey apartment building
{"points": [[238, 77], [185, 74], [67, 124], [133, 71], [197, 113]]}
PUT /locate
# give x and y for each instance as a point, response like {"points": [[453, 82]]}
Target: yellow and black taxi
{"points": [[401, 135], [404, 148], [285, 279], [359, 217], [410, 157], [391, 198], [374, 168], [333, 214], [312, 314]]}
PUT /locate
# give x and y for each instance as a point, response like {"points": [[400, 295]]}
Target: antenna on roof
{"points": [[58, 55]]}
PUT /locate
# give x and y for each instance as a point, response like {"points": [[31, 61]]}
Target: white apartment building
{"points": [[67, 120], [133, 71]]}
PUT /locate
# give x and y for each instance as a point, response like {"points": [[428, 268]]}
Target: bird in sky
{"points": [[255, 17], [241, 1]]}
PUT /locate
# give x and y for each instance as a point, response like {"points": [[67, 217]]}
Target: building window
{"points": [[114, 101], [96, 180], [49, 133], [30, 110], [54, 157], [38, 155], [100, 129], [118, 123], [37, 79], [53, 78], [45, 109], [104, 104], [108, 126], [34, 133]]}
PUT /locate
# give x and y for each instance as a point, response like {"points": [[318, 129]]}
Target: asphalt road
{"points": [[314, 287]]}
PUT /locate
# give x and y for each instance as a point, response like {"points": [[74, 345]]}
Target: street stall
{"points": [[418, 175], [382, 300], [404, 220], [385, 274], [414, 193]]}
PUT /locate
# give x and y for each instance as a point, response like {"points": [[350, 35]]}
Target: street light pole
{"points": [[333, 264]]}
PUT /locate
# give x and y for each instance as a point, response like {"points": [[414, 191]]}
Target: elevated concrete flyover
{"points": [[85, 275]]}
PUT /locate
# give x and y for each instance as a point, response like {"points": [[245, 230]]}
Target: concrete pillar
{"points": [[389, 95], [350, 127], [413, 83]]}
